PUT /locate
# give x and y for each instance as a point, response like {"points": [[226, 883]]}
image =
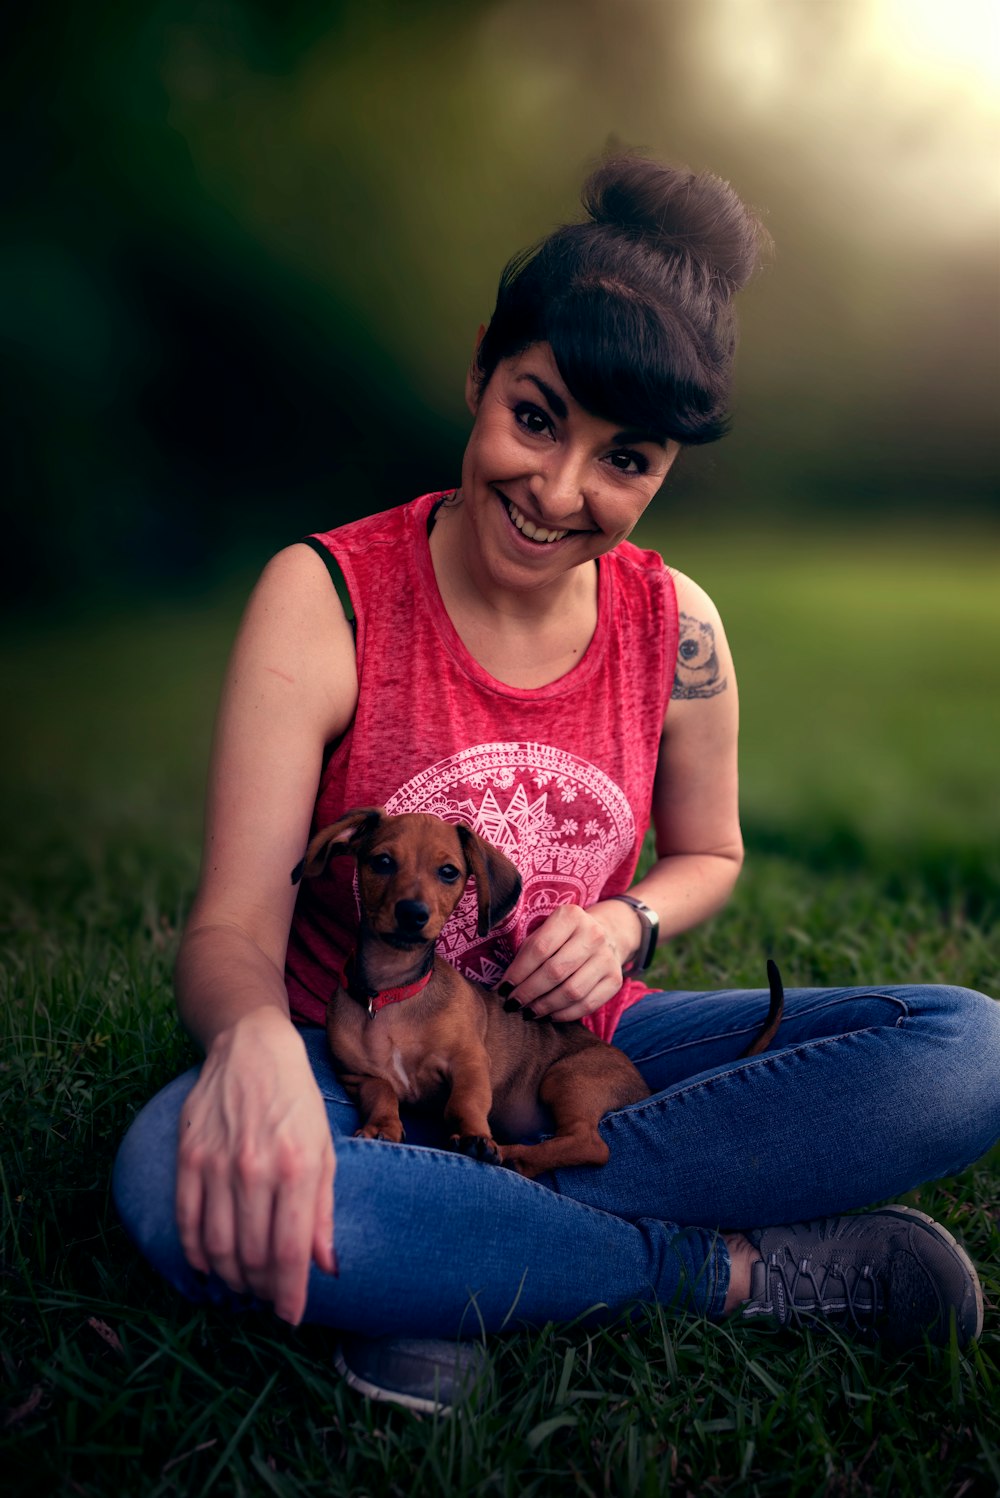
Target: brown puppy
{"points": [[409, 1028]]}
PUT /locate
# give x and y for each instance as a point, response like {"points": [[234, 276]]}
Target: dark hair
{"points": [[636, 301]]}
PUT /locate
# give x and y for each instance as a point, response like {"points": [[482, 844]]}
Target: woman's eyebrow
{"points": [[556, 402]]}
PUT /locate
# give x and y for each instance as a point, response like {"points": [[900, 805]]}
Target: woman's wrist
{"points": [[263, 1019], [623, 927]]}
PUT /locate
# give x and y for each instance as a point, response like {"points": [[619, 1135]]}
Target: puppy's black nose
{"points": [[411, 915]]}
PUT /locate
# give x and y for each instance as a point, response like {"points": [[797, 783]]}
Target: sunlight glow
{"points": [[958, 41], [897, 102]]}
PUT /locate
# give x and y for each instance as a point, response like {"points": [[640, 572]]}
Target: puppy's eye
{"points": [[381, 863], [448, 873]]}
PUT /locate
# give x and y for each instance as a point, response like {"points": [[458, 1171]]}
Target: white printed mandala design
{"points": [[500, 791]]}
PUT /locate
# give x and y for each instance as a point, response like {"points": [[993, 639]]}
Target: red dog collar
{"points": [[377, 1001]]}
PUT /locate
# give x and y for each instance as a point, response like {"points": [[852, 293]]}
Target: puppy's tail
{"points": [[775, 1011]]}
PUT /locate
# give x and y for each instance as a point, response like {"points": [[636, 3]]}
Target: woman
{"points": [[514, 661]]}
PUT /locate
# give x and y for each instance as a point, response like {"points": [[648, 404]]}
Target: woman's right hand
{"points": [[256, 1165]]}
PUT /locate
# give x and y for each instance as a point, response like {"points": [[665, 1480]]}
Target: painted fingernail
{"points": [[528, 1014], [503, 989], [511, 1006]]}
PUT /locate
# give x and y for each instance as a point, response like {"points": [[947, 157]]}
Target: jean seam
{"points": [[715, 1037], [751, 1063]]}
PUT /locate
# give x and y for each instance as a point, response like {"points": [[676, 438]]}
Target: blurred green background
{"points": [[247, 245], [246, 248]]}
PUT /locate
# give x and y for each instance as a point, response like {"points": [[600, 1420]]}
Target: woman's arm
{"points": [[572, 964], [255, 1162], [696, 792]]}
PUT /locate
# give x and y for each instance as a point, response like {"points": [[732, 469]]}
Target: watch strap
{"points": [[650, 929]]}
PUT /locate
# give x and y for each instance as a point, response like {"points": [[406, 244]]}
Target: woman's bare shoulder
{"points": [[691, 596], [704, 663], [294, 627]]}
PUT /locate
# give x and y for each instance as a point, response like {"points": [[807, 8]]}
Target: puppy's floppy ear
{"points": [[498, 884], [342, 836]]}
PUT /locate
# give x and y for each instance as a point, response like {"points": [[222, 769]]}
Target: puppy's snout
{"points": [[411, 915]]}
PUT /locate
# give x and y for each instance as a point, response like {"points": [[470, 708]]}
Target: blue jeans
{"points": [[868, 1094]]}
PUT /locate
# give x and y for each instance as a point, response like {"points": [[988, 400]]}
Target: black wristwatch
{"points": [[650, 932]]}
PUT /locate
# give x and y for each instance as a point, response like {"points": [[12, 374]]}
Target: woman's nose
{"points": [[559, 489]]}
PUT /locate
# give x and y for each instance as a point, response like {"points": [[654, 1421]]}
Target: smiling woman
{"points": [[513, 662], [546, 488]]}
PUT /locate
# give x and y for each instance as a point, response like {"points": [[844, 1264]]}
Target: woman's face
{"points": [[545, 484]]}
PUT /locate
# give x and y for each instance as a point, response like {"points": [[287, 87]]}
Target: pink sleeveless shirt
{"points": [[559, 777]]}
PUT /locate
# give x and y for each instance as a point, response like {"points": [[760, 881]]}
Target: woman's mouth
{"points": [[536, 533]]}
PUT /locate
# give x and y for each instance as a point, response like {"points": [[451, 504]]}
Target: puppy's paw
{"points": [[520, 1158], [477, 1147], [393, 1133]]}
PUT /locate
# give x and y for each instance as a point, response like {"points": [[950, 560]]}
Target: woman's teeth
{"points": [[529, 529]]}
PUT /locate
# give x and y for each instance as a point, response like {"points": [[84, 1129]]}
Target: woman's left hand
{"points": [[572, 963]]}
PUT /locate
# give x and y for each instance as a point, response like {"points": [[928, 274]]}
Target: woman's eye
{"points": [[627, 461], [532, 419], [381, 863], [448, 873]]}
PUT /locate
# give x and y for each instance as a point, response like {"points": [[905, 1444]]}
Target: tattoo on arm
{"points": [[697, 672]]}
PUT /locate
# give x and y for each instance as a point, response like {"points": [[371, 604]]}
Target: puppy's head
{"points": [[412, 871]]}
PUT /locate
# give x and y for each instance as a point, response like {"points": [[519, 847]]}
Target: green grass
{"points": [[871, 715]]}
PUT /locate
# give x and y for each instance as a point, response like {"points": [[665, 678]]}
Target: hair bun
{"points": [[693, 215], [636, 301]]}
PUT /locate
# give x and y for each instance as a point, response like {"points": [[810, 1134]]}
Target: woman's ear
{"points": [[472, 391]]}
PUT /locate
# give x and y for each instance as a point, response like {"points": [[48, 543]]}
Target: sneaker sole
{"points": [[416, 1402], [937, 1231]]}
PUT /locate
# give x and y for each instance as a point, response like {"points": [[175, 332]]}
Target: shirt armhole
{"points": [[337, 577]]}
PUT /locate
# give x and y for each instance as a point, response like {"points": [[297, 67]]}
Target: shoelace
{"points": [[861, 1315]]}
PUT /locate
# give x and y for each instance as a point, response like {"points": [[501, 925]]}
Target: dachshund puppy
{"points": [[407, 1027]]}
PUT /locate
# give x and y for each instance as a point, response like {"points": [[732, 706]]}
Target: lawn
{"points": [[871, 705]]}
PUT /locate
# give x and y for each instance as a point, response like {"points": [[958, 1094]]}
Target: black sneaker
{"points": [[894, 1274], [420, 1373]]}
